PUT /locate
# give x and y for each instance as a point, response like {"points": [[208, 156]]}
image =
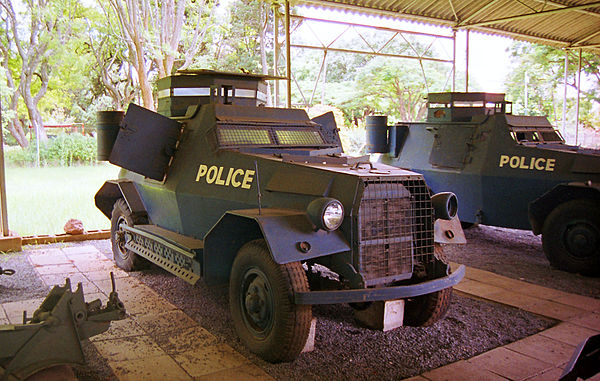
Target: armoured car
{"points": [[508, 170], [217, 186]]}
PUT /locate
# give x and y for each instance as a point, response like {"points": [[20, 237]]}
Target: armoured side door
{"points": [[451, 145]]}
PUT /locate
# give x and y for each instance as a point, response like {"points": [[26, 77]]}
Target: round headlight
{"points": [[333, 215], [326, 213]]}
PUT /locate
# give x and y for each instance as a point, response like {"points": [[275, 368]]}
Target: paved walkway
{"points": [[538, 357], [158, 341]]}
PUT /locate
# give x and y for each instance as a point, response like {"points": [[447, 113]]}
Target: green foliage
{"points": [[239, 46], [63, 150], [396, 88], [541, 69]]}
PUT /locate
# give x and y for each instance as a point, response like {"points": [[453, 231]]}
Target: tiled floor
{"points": [[158, 341]]}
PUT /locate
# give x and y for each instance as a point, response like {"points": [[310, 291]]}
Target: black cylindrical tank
{"points": [[377, 136], [107, 127]]}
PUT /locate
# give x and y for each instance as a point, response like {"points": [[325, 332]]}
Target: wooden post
{"points": [[7, 243], [3, 209]]}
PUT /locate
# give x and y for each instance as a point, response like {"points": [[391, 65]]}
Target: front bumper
{"points": [[377, 294]]}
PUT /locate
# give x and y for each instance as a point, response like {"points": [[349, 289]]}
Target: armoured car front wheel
{"points": [[124, 258], [571, 237], [263, 311]]}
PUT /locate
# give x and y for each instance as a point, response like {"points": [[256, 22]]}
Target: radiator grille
{"points": [[395, 229]]}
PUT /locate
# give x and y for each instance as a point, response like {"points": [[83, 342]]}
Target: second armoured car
{"points": [[508, 170], [221, 188]]}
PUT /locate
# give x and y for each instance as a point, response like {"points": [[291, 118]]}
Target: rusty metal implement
{"points": [[53, 335]]}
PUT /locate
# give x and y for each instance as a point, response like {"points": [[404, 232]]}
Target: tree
{"points": [[241, 37], [161, 36], [541, 69], [48, 26], [396, 88], [112, 69]]}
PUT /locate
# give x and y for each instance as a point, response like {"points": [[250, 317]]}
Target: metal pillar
{"points": [[3, 208], [276, 56], [453, 59], [467, 64], [564, 118], [526, 93], [288, 54], [578, 95]]}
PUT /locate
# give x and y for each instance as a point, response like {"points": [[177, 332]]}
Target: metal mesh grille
{"points": [[230, 135], [291, 137], [243, 136], [395, 229]]}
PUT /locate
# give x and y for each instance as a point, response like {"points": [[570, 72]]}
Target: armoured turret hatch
{"points": [[462, 107], [197, 87]]}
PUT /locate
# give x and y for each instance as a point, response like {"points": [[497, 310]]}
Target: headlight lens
{"points": [[326, 213], [333, 215]]}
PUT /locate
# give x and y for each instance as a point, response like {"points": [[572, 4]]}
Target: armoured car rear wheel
{"points": [[425, 310], [122, 216], [263, 311], [571, 237]]}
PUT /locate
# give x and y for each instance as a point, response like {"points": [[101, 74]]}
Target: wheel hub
{"points": [[582, 239], [120, 237], [257, 302]]}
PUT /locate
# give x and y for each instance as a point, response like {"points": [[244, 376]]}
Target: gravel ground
{"points": [[25, 284], [343, 349]]}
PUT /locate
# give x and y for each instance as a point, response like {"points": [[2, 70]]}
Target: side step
{"points": [[172, 251]]}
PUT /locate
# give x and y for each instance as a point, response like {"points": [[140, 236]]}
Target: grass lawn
{"points": [[42, 200]]}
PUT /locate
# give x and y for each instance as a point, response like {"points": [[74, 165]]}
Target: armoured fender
{"points": [[289, 234], [542, 206], [112, 190]]}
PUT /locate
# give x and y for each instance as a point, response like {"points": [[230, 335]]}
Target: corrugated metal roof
{"points": [[561, 23]]}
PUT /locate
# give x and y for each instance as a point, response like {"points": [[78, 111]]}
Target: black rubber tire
{"points": [[574, 220], [124, 259], [282, 328], [425, 310]]}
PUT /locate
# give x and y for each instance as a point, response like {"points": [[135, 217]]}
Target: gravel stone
{"points": [[24, 284], [344, 350]]}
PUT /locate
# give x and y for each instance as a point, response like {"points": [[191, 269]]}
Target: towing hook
{"points": [[6, 271]]}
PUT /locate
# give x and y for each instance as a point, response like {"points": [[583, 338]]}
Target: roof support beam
{"points": [[379, 54], [528, 15], [381, 28], [550, 2], [584, 39], [585, 46], [453, 10]]}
